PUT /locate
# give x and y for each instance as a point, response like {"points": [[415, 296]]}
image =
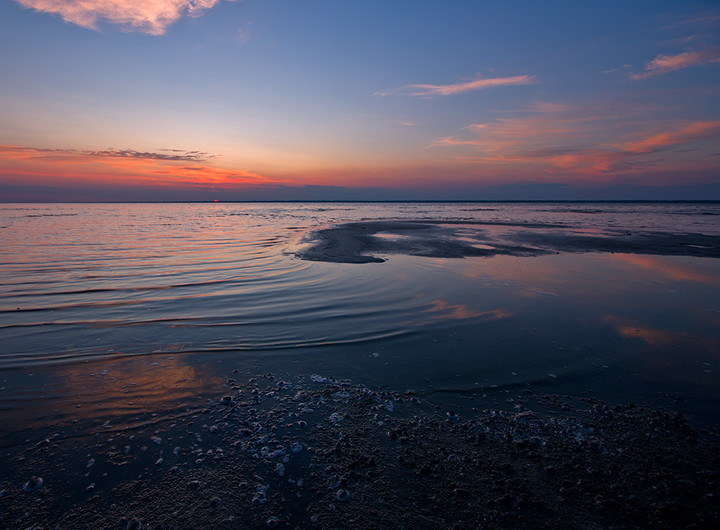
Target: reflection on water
{"points": [[442, 309], [105, 396], [695, 271], [118, 314], [659, 337]]}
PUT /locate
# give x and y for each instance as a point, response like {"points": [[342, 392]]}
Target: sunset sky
{"points": [[115, 100]]}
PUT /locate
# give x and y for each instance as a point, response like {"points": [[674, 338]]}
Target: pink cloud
{"points": [[547, 126], [457, 88], [41, 166], [695, 131], [707, 18], [663, 64], [559, 140], [147, 16]]}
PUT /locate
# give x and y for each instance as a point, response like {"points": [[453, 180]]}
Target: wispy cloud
{"points": [[167, 154], [145, 16], [699, 130], [574, 141], [457, 88], [171, 167], [702, 20], [663, 64]]}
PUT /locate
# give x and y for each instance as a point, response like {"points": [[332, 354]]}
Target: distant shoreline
{"points": [[399, 201]]}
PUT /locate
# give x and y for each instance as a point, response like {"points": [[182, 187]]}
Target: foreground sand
{"points": [[315, 452]]}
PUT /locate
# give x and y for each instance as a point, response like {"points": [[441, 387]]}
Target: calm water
{"points": [[119, 312]]}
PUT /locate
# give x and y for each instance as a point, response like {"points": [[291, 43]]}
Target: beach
{"points": [[337, 365], [317, 452]]}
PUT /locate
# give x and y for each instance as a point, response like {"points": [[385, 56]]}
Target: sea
{"points": [[118, 314]]}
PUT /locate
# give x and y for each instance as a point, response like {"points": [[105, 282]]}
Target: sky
{"points": [[175, 100]]}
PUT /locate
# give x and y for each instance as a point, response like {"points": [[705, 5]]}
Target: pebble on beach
{"points": [[33, 484]]}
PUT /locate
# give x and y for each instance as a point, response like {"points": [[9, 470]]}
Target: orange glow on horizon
{"points": [[541, 148], [48, 167]]}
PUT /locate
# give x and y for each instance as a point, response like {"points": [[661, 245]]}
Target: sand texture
{"points": [[320, 453]]}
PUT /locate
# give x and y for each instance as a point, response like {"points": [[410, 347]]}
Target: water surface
{"points": [[116, 313]]}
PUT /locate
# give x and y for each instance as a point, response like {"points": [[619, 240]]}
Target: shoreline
{"points": [[316, 452]]}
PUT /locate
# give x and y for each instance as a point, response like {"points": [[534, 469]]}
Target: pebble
{"points": [[226, 400], [272, 522], [260, 494], [33, 484], [342, 495]]}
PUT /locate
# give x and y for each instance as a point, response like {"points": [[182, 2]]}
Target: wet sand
{"points": [[360, 242], [319, 453]]}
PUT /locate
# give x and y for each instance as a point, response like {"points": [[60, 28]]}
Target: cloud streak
{"points": [[457, 88], [42, 166], [664, 64], [694, 131], [573, 142], [145, 16], [169, 155]]}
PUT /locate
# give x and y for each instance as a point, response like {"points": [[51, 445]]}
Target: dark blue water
{"points": [[113, 311]]}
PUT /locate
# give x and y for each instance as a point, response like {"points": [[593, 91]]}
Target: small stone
{"points": [[259, 498], [280, 469], [272, 522], [226, 400], [342, 495], [33, 484]]}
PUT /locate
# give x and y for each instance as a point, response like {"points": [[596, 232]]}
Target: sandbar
{"points": [[369, 241]]}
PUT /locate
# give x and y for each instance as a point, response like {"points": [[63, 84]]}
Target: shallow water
{"points": [[116, 313]]}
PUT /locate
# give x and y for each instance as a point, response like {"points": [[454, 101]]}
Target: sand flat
{"points": [[367, 241]]}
